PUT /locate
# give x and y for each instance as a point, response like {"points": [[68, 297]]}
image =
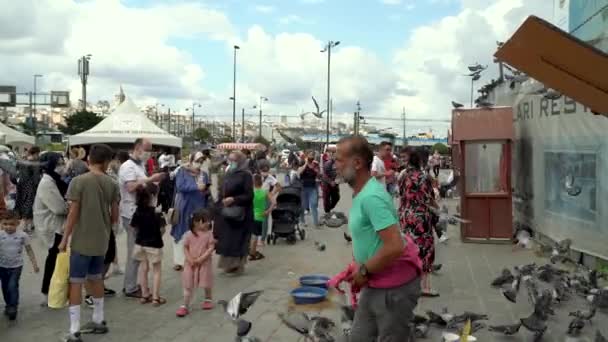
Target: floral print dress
{"points": [[415, 216]]}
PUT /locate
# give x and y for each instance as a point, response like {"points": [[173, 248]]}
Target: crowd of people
{"points": [[83, 202]]}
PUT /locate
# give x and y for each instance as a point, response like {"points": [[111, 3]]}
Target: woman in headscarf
{"points": [[192, 188], [234, 218], [50, 210], [417, 199]]}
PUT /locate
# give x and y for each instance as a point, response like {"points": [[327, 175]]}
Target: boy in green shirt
{"points": [[261, 209]]}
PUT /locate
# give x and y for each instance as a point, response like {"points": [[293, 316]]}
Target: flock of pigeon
{"points": [[548, 287]]}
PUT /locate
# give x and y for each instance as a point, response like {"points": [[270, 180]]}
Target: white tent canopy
{"points": [[14, 137], [124, 125]]}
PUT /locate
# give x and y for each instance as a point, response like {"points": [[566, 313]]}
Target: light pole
{"points": [[83, 72], [236, 47], [33, 110], [194, 104], [243, 126], [262, 100], [327, 49]]}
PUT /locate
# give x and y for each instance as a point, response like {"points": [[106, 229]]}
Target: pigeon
{"points": [[346, 319], [300, 322], [457, 105], [532, 289], [575, 326], [421, 330], [464, 317], [506, 277], [552, 95], [321, 328], [239, 305], [534, 324], [508, 330], [526, 270], [436, 267], [320, 246], [436, 319], [318, 113], [599, 337], [511, 293], [586, 315], [417, 320], [347, 238]]}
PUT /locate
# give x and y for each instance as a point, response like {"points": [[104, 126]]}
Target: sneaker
{"points": [[207, 304], [134, 294], [94, 328], [108, 292], [444, 238], [182, 311], [75, 337], [88, 300]]}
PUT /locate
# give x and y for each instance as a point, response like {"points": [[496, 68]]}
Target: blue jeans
{"points": [[310, 200], [9, 277]]}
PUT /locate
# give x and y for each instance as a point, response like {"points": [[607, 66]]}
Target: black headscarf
{"points": [[49, 161]]}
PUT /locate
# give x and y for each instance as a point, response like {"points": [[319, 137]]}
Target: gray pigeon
{"points": [[457, 105], [508, 330], [534, 324], [321, 328], [506, 277], [320, 246], [586, 315], [575, 326]]}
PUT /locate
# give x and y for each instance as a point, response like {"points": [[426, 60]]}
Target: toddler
{"points": [[199, 246], [12, 243]]}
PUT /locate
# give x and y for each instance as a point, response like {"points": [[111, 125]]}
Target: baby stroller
{"points": [[286, 216]]}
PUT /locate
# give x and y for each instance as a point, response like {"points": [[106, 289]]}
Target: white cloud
{"points": [[264, 9], [293, 19], [391, 2]]}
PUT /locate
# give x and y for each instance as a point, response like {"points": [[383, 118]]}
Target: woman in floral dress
{"points": [[415, 215]]}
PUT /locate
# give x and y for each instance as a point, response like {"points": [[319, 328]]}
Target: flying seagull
{"points": [[318, 113]]}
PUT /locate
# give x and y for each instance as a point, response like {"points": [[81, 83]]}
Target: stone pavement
{"points": [[463, 283]]}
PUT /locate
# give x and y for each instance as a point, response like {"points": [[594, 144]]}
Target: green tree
{"points": [[79, 122], [261, 140], [224, 139], [202, 134], [441, 148]]}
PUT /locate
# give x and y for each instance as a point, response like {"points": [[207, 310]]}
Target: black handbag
{"points": [[234, 213]]}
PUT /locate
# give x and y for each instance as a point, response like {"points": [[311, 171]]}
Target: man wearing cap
{"points": [[132, 174]]}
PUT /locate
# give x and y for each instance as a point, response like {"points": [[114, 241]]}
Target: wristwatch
{"points": [[363, 270]]}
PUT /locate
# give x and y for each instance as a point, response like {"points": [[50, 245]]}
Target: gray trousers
{"points": [[384, 315], [132, 267]]}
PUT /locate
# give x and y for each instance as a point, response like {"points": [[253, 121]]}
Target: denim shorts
{"points": [[84, 267]]}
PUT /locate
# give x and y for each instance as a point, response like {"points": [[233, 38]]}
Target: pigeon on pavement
{"points": [[348, 238], [436, 319], [575, 326], [320, 246], [506, 277], [457, 105], [508, 330], [586, 315]]}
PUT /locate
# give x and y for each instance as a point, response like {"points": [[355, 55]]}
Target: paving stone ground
{"points": [[463, 283]]}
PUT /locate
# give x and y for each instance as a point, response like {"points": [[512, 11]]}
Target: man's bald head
{"points": [[357, 147], [142, 148]]}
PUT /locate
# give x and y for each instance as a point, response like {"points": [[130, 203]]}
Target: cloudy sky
{"points": [[394, 54]]}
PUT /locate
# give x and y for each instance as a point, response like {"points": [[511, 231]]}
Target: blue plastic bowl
{"points": [[316, 280], [308, 295]]}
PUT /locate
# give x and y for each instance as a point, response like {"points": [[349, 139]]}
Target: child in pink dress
{"points": [[199, 246]]}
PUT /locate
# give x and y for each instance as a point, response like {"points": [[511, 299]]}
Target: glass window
{"points": [[485, 167]]}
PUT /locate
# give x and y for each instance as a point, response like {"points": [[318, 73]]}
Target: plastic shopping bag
{"points": [[58, 290]]}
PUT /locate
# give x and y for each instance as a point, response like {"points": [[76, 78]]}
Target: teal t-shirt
{"points": [[373, 210]]}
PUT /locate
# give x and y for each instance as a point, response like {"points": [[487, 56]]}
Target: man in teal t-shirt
{"points": [[389, 286]]}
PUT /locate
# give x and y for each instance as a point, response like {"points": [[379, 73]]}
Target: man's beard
{"points": [[349, 175]]}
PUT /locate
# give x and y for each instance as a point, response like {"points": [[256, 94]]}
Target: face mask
{"points": [[60, 170], [232, 165], [145, 156]]}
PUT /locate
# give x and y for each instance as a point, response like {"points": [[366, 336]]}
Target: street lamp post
{"points": [[33, 110], [194, 104], [83, 72], [243, 126], [236, 47], [327, 49], [262, 100]]}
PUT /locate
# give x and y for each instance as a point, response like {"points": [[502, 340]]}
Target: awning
{"points": [[495, 123], [241, 146], [560, 61]]}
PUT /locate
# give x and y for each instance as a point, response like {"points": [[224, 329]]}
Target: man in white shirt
{"points": [[132, 174], [378, 169], [166, 160]]}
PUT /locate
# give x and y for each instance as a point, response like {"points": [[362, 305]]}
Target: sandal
{"points": [[158, 301], [256, 256], [145, 300], [207, 304], [430, 294]]}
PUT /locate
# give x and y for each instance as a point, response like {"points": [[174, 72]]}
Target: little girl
{"points": [[150, 227], [199, 246]]}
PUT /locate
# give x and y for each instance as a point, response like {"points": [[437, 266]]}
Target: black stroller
{"points": [[286, 216]]}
